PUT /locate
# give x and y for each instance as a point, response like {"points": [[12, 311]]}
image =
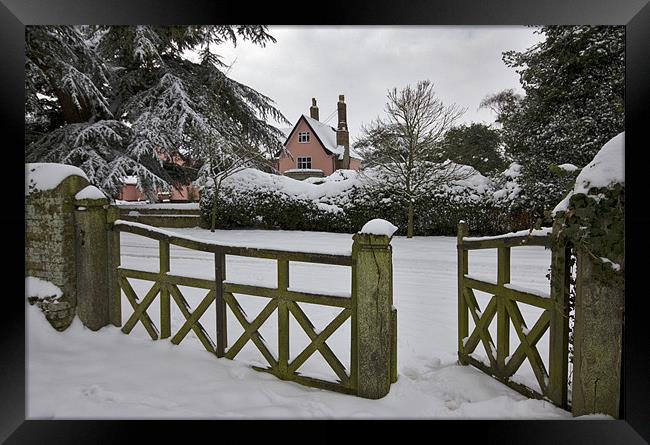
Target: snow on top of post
{"points": [[90, 192], [378, 226], [605, 169], [48, 175], [38, 288]]}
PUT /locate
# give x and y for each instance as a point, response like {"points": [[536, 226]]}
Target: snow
{"points": [[48, 175], [39, 288], [378, 226], [605, 169], [519, 288], [327, 136], [568, 167], [544, 231], [615, 266], [130, 180], [305, 170], [203, 236], [106, 374], [90, 192]]}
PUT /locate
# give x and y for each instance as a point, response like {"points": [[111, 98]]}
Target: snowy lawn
{"points": [[106, 374]]}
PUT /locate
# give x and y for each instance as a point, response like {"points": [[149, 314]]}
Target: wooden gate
{"points": [[221, 292], [504, 305]]}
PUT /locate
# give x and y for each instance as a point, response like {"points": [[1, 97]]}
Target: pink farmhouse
{"points": [[313, 148]]}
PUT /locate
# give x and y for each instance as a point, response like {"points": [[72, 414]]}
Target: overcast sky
{"points": [[363, 62]]}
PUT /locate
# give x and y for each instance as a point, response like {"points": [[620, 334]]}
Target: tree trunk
{"points": [[409, 229], [215, 198], [72, 114]]}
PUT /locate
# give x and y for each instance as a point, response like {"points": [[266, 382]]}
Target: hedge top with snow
{"points": [[605, 170]]}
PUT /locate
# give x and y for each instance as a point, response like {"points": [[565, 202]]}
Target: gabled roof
{"points": [[326, 135]]}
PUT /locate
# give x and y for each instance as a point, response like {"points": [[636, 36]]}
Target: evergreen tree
{"points": [[118, 100], [476, 145], [574, 103]]}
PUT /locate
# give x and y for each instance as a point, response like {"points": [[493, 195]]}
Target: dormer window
{"points": [[303, 137]]}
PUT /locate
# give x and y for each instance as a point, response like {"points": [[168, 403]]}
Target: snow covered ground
{"points": [[106, 374]]}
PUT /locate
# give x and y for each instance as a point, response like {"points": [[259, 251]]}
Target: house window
{"points": [[303, 137], [304, 163]]}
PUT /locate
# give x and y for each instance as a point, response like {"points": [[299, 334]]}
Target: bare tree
{"points": [[404, 149]]}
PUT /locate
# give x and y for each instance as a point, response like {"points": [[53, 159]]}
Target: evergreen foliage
{"points": [[574, 103], [476, 145], [114, 100]]}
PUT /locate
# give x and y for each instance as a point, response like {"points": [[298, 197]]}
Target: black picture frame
{"points": [[634, 14]]}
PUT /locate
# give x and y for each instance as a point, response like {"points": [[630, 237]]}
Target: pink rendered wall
{"points": [[131, 193], [354, 164], [186, 193], [320, 159]]}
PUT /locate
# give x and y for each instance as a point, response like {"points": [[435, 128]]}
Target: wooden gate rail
{"points": [[222, 293], [503, 305]]}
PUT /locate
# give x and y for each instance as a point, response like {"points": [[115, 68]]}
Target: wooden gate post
{"points": [[372, 288], [92, 258], [597, 338]]}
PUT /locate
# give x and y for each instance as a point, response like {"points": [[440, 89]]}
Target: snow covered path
{"points": [[106, 374]]}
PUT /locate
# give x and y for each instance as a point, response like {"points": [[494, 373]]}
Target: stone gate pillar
{"points": [[92, 258], [50, 234]]}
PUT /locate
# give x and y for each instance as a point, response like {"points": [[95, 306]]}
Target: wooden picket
{"points": [[504, 306]]}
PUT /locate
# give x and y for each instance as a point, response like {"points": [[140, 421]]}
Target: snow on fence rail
{"points": [[501, 363], [373, 343]]}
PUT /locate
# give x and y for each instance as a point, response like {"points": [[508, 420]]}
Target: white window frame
{"points": [[304, 162], [303, 137]]}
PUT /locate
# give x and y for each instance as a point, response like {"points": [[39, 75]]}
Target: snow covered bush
{"points": [[345, 201]]}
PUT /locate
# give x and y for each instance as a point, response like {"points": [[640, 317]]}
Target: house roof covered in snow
{"points": [[326, 135]]}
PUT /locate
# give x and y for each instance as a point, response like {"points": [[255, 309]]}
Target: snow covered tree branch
{"points": [[118, 100]]}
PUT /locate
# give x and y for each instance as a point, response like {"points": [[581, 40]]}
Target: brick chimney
{"points": [[313, 110], [342, 135]]}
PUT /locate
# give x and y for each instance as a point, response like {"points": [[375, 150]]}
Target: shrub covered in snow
{"points": [[345, 201]]}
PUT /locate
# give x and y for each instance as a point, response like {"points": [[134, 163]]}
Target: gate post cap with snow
{"points": [[375, 360], [376, 231]]}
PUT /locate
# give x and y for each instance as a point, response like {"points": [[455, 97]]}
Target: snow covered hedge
{"points": [[345, 201]]}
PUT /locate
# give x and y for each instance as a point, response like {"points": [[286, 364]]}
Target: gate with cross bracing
{"points": [[373, 319], [503, 304]]}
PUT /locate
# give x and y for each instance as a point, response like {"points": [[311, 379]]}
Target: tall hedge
{"points": [[438, 211]]}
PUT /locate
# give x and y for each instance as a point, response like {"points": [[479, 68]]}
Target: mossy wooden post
{"points": [[372, 291], [598, 335], [503, 321], [165, 306], [463, 317], [115, 292], [220, 276], [558, 362], [283, 319], [91, 242]]}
